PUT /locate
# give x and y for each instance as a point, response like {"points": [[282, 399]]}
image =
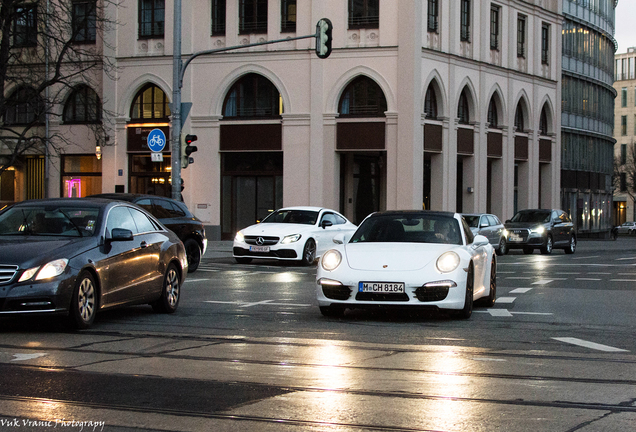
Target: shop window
{"points": [[81, 176]]}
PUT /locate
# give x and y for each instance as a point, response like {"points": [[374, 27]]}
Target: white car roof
{"points": [[307, 208]]}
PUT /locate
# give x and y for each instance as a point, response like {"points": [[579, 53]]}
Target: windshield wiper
{"points": [[71, 221]]}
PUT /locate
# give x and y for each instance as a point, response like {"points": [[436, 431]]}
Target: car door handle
{"points": [[143, 244]]}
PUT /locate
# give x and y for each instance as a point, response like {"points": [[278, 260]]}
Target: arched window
{"points": [[430, 103], [543, 122], [24, 106], [463, 110], [253, 96], [493, 117], [150, 103], [363, 97], [82, 106], [519, 122]]}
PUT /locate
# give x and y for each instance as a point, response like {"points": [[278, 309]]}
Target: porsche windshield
{"points": [[409, 229], [532, 216], [49, 221], [305, 217]]}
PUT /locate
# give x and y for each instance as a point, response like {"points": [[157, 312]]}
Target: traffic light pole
{"points": [[179, 68]]}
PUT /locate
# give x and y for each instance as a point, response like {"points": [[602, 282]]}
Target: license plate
{"points": [[259, 248], [381, 287], [515, 238]]}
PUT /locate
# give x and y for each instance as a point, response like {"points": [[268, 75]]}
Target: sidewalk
{"points": [[223, 249]]}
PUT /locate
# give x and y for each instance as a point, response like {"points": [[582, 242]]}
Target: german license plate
{"points": [[381, 287], [515, 238], [259, 248]]}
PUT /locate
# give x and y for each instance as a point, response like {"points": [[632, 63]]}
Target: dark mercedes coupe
{"points": [[77, 256]]}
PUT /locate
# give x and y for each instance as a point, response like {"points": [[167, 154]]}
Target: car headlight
{"points": [[505, 233], [49, 270], [331, 260], [538, 230], [447, 262], [239, 237], [290, 239]]}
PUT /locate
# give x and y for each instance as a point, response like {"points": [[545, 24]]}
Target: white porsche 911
{"points": [[421, 259], [293, 233]]}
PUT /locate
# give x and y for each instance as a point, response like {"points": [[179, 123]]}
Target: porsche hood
{"points": [[393, 256]]}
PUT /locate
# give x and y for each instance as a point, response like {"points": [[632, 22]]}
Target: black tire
{"points": [[528, 250], [193, 252], [309, 253], [503, 247], [83, 306], [170, 291], [492, 296], [571, 247], [332, 311], [467, 311], [547, 249], [243, 260]]}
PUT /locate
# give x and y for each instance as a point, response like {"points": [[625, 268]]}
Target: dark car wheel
{"points": [[528, 250], [243, 260], [84, 302], [193, 252], [170, 291], [309, 252], [503, 247], [467, 311], [332, 311], [572, 246], [492, 296], [547, 249]]}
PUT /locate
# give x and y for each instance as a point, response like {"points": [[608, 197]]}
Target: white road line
{"points": [[626, 259], [543, 282], [532, 313], [506, 300], [507, 313], [587, 257], [264, 302], [518, 277], [587, 344], [207, 270], [587, 279], [600, 273], [197, 280], [499, 312], [520, 290], [504, 272], [622, 280]]}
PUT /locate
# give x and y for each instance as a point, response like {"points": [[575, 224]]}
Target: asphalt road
{"points": [[249, 350]]}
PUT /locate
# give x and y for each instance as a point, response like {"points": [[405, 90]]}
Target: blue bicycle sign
{"points": [[156, 140]]}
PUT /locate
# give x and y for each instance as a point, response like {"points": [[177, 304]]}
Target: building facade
{"points": [[416, 107], [587, 120], [625, 134]]}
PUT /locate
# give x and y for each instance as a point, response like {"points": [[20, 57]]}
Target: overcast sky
{"points": [[625, 25]]}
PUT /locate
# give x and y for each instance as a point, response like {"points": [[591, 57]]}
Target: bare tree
{"points": [[47, 47], [625, 172]]}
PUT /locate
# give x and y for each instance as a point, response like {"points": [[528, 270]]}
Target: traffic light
{"points": [[187, 149], [323, 38]]}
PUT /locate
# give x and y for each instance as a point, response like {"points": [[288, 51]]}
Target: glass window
{"points": [[494, 27], [329, 217], [151, 18], [82, 106], [463, 109], [623, 154], [23, 107], [218, 18], [363, 97], [545, 43], [84, 21], [145, 204], [430, 103], [120, 217], [543, 122], [519, 120], [150, 103], [433, 16], [364, 14], [288, 16], [521, 36], [624, 125], [624, 97], [25, 26], [493, 118], [253, 96], [253, 16], [166, 209], [465, 20], [142, 222], [81, 176]]}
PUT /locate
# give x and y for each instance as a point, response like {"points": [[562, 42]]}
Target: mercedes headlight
{"points": [[51, 269], [331, 260], [239, 237], [447, 262], [290, 239]]}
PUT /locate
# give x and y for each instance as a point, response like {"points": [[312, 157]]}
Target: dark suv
{"points": [[541, 229], [176, 217]]}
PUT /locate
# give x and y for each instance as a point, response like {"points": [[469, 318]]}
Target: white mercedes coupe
{"points": [[293, 233], [421, 259]]}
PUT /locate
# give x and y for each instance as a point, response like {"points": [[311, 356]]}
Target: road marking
{"points": [[587, 279], [207, 270], [532, 313], [518, 277], [622, 280], [507, 300], [520, 290], [487, 359], [543, 282], [507, 313], [505, 272], [587, 344], [197, 280], [22, 357], [249, 304], [600, 273], [587, 257], [626, 259], [499, 312]]}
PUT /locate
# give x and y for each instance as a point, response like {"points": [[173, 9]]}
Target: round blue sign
{"points": [[156, 140]]}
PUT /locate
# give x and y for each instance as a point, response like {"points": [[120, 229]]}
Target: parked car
{"points": [[541, 229], [176, 217], [490, 227], [293, 233], [78, 256], [626, 228], [419, 259]]}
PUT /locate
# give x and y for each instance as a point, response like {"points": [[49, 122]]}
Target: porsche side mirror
{"points": [[326, 224], [480, 240]]}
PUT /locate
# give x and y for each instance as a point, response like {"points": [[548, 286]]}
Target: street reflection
{"points": [[287, 277]]}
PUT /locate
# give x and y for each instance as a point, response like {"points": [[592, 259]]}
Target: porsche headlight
{"points": [[51, 269], [290, 239], [331, 260], [447, 262], [239, 237]]}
